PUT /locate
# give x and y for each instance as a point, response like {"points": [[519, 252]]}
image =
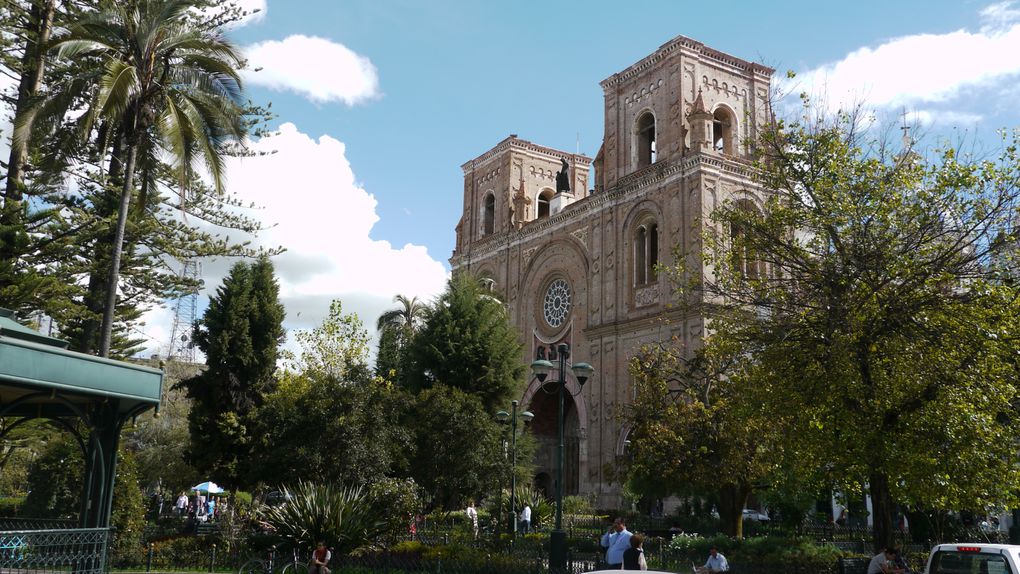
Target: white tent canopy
{"points": [[207, 487]]}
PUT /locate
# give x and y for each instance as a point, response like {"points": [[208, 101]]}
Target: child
{"points": [[634, 557]]}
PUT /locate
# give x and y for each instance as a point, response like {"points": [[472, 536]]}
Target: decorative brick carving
{"points": [[582, 236], [646, 296], [643, 92], [689, 73], [528, 254]]}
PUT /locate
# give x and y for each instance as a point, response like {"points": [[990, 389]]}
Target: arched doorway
{"points": [[544, 404]]}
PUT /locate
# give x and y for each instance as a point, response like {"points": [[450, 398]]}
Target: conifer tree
{"points": [[467, 343], [239, 334]]}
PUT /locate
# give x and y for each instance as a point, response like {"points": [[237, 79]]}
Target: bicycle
{"points": [[269, 565]]}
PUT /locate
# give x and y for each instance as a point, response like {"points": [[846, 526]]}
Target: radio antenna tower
{"points": [[182, 348]]}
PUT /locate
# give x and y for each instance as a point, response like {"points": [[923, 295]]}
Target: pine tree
{"points": [[239, 334], [467, 343]]}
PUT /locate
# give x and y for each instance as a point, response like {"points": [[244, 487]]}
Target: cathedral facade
{"points": [[576, 260]]}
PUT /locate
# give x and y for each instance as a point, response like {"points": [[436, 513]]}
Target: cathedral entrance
{"points": [[544, 404]]}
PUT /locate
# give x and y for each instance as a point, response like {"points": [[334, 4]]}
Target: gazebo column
{"points": [[101, 464]]}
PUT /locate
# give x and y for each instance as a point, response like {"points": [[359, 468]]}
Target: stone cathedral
{"points": [[578, 265]]}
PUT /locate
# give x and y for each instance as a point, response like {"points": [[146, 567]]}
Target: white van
{"points": [[974, 558]]}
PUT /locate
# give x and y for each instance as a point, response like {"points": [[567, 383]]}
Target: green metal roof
{"points": [[31, 362]]}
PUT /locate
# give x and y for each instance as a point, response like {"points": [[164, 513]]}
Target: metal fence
{"points": [[9, 523], [79, 551]]}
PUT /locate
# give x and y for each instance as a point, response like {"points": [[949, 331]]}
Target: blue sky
{"points": [[381, 101]]}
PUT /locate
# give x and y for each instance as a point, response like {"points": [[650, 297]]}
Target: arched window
{"points": [[746, 261], [646, 140], [543, 203], [646, 253], [724, 129], [489, 215]]}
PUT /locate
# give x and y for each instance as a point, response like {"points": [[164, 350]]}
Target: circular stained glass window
{"points": [[556, 305]]}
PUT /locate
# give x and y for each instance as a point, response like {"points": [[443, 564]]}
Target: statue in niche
{"points": [[563, 177], [540, 353]]}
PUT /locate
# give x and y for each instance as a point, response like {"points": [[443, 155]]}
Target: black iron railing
{"points": [[77, 551]]}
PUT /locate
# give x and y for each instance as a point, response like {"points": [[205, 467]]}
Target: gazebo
{"points": [[41, 379]]}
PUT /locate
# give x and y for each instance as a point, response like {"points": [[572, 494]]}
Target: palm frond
{"points": [[117, 88]]}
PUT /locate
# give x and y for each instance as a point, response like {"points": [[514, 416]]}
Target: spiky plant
{"points": [[345, 517]]}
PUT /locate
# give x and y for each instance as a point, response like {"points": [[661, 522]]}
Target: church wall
{"points": [[591, 243]]}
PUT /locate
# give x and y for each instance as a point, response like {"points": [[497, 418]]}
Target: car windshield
{"points": [[951, 562]]}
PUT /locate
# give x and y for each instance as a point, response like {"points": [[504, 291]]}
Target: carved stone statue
{"points": [[563, 177]]}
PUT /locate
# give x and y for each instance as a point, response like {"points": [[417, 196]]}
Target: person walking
{"points": [[182, 505], [472, 514], [616, 541], [526, 518], [634, 557]]}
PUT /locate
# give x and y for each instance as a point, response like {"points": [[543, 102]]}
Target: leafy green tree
{"points": [[458, 452], [879, 333], [324, 428], [55, 480], [397, 328], [162, 443], [239, 334], [128, 513], [329, 417], [694, 431], [401, 500], [336, 348], [467, 343]]}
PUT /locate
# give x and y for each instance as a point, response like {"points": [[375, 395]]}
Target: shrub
{"points": [[778, 551], [343, 516], [577, 505], [399, 500]]}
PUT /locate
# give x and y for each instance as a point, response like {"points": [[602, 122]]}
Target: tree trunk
{"points": [[99, 270], [732, 498], [33, 66], [881, 511], [106, 335]]}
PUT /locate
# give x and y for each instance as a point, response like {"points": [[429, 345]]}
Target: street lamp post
{"points": [[582, 371], [504, 417]]}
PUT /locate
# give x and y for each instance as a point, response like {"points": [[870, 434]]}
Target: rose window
{"points": [[556, 305]]}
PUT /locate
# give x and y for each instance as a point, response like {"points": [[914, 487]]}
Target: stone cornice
{"points": [[649, 176], [513, 141], [666, 317], [680, 43]]}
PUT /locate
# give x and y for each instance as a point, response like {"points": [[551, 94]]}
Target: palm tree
{"points": [[396, 329], [165, 86], [406, 319]]}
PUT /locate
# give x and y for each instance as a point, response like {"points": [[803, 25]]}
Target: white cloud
{"points": [[318, 211], [945, 117], [922, 69], [999, 15], [317, 68]]}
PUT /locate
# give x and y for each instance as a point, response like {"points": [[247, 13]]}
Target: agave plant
{"points": [[345, 517], [542, 509]]}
